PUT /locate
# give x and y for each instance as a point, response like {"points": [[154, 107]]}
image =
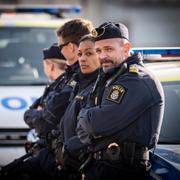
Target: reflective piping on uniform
{"points": [[166, 79]]}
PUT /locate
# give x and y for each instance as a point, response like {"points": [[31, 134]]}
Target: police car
{"points": [[24, 32], [165, 63]]}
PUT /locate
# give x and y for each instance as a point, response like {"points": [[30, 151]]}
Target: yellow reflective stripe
{"points": [[31, 24], [2, 23], [165, 79]]}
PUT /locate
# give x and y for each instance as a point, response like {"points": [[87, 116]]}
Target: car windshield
{"points": [[170, 132], [21, 54]]}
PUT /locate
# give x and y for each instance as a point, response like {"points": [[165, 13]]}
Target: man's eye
{"points": [[98, 51], [109, 49]]}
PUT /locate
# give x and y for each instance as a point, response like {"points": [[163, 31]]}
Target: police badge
{"points": [[116, 93]]}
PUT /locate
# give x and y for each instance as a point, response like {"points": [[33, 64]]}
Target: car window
{"points": [[21, 54], [170, 132]]}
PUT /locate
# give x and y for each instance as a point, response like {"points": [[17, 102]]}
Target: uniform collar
{"points": [[55, 83], [73, 68], [133, 59], [85, 79], [70, 70]]}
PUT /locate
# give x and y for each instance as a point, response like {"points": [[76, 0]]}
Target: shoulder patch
{"points": [[72, 83], [116, 93], [133, 68]]}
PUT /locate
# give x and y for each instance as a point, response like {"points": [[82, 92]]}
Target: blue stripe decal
{"points": [[158, 51]]}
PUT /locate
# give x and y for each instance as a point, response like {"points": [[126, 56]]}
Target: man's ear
{"points": [[52, 66], [127, 47], [73, 47]]}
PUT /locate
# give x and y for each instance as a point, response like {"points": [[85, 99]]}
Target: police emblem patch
{"points": [[116, 93]]}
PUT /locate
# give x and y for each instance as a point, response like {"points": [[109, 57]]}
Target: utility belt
{"points": [[127, 153]]}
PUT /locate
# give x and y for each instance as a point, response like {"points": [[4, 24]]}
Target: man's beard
{"points": [[111, 65]]}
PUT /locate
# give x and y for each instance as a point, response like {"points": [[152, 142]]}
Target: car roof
{"points": [[41, 23], [35, 15], [164, 62], [166, 71]]}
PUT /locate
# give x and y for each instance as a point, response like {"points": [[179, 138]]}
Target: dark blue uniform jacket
{"points": [[54, 104], [130, 109], [79, 97]]}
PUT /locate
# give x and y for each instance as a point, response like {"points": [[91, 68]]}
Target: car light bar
{"points": [[49, 9], [162, 51], [159, 54]]}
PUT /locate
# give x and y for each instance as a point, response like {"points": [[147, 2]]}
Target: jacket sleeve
{"points": [[53, 111], [122, 103]]}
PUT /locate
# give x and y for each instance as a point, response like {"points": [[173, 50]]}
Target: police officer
{"points": [[125, 118], [44, 165], [89, 65], [40, 115], [48, 117]]}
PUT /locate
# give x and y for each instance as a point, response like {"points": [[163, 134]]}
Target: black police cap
{"points": [[110, 30], [53, 53]]}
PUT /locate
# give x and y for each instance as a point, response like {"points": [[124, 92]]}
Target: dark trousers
{"points": [[103, 170], [43, 166]]}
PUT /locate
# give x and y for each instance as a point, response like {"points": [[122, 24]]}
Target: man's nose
{"points": [[102, 55]]}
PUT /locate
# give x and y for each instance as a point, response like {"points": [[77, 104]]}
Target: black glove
{"points": [[30, 117]]}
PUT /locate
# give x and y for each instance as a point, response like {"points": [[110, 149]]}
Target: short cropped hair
{"points": [[73, 30], [61, 64]]}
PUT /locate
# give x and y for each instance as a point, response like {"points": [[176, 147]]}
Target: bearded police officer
{"points": [[123, 121]]}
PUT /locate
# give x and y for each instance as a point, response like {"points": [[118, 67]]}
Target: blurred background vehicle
{"points": [[24, 32], [165, 63]]}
